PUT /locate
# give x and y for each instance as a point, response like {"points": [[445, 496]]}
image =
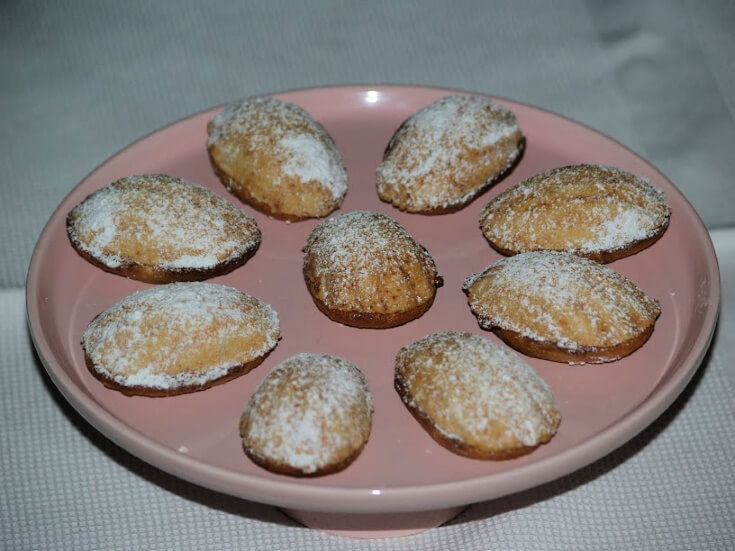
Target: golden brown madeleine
{"points": [[364, 269], [475, 397], [448, 153], [596, 211], [274, 156], [178, 338], [562, 307], [159, 229], [310, 416]]}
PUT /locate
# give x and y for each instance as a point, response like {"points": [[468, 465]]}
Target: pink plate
{"points": [[401, 470]]}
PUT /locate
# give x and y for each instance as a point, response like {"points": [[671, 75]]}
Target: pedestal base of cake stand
{"points": [[383, 525]]}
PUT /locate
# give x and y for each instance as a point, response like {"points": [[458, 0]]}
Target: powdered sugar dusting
{"points": [[366, 261], [560, 298], [162, 222], [310, 412], [476, 391], [309, 160], [179, 335], [583, 209], [447, 152], [288, 133]]}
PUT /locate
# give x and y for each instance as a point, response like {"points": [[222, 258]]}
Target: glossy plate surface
{"points": [[402, 469]]}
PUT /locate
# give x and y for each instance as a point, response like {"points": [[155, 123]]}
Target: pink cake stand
{"points": [[403, 481]]}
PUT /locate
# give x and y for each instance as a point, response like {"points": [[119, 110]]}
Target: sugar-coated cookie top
{"points": [[476, 391], [445, 153], [310, 412], [181, 334], [161, 221], [585, 209], [366, 261], [560, 298], [288, 134]]}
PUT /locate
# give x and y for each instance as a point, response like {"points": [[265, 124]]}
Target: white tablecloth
{"points": [[80, 80]]}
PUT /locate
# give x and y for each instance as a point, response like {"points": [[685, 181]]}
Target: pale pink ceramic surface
{"points": [[402, 469]]}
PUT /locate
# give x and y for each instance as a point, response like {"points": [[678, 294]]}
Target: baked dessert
{"points": [[275, 157], [562, 307], [364, 269], [596, 211], [159, 229], [310, 416], [448, 153], [178, 338], [476, 398]]}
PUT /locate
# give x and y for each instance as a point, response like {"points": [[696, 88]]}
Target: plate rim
{"points": [[294, 494]]}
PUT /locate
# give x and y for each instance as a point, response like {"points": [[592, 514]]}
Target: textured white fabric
{"points": [[80, 80]]}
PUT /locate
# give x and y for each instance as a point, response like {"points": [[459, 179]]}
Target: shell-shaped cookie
{"points": [[158, 228], [600, 212], [475, 397], [178, 338], [364, 269], [310, 416], [448, 153], [562, 307], [274, 156]]}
